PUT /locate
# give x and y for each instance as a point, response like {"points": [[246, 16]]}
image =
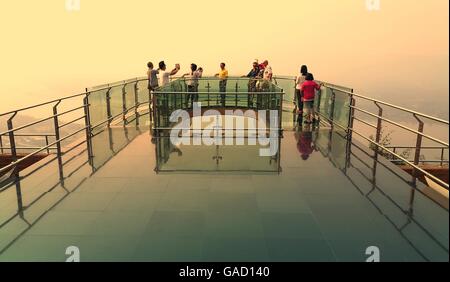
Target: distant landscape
{"points": [[46, 127]]}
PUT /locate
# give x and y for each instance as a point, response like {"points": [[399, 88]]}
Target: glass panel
{"points": [[210, 96], [130, 96], [220, 157], [341, 108], [143, 94], [288, 85], [323, 101], [97, 107], [116, 102]]}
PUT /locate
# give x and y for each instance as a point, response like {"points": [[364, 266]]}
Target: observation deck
{"points": [[119, 189]]}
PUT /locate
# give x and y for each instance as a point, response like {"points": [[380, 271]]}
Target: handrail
{"points": [[42, 104], [434, 178], [230, 78], [217, 92], [391, 105], [50, 146], [423, 147], [32, 134], [137, 80], [71, 96], [13, 164], [41, 120], [401, 126], [27, 148]]}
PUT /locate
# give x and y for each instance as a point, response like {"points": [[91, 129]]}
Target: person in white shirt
{"points": [[164, 75], [192, 84], [268, 73], [264, 85]]}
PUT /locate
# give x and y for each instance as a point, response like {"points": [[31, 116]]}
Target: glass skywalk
{"points": [[130, 195]]}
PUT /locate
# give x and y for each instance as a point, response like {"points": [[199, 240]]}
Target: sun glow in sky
{"points": [[398, 53]]}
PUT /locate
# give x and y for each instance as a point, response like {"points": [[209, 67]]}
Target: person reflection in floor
{"points": [[305, 144], [165, 149]]}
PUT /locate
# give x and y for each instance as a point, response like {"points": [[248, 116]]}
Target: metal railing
{"points": [[439, 149], [237, 92], [11, 133], [56, 145], [376, 141], [358, 164], [46, 136]]}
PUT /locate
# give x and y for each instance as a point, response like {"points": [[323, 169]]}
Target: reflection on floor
{"points": [[324, 202]]}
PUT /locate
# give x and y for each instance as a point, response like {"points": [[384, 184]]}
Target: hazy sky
{"points": [[398, 53]]}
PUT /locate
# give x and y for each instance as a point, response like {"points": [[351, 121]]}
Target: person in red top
{"points": [[305, 144], [262, 67], [308, 88]]}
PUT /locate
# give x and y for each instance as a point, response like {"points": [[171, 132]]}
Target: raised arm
{"points": [[318, 86], [174, 71]]}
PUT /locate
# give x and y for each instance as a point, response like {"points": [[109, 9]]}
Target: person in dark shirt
{"points": [[152, 78], [298, 98], [253, 78]]}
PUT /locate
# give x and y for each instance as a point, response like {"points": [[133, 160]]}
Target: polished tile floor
{"points": [[325, 204]]}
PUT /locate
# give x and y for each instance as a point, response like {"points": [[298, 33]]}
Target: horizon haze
{"points": [[396, 53]]}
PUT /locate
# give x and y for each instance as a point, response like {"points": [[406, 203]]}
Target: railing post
{"points": [[136, 103], [351, 116], [379, 125], [207, 87], [155, 113], [442, 156], [351, 119], [319, 101], [88, 126], [236, 95], [12, 143], [1, 144], [416, 163], [280, 115], [377, 140], [418, 149], [46, 144], [58, 142], [12, 140], [150, 104], [333, 100], [124, 104], [108, 106]]}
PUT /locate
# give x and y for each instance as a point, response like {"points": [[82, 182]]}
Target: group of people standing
{"points": [[305, 92], [259, 76], [164, 74]]}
